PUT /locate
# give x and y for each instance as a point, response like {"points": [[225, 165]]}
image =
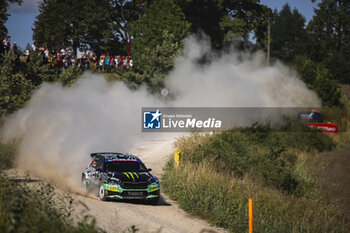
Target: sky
{"points": [[22, 17]]}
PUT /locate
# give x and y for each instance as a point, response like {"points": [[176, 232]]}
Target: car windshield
{"points": [[125, 166]]}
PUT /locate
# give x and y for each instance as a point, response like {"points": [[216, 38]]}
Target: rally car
{"points": [[120, 176]]}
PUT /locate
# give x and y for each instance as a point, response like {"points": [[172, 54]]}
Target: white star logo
{"points": [[156, 115]]}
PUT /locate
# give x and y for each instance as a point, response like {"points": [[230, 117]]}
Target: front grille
{"points": [[134, 185], [133, 194]]}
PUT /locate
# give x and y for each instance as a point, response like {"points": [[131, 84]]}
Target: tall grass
{"points": [[259, 150], [218, 173], [34, 208], [40, 209]]}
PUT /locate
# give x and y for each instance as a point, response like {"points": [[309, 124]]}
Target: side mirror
{"points": [[149, 169]]}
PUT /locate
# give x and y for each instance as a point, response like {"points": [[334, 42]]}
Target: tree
{"points": [[288, 34], [205, 16], [80, 24], [4, 4], [99, 25], [218, 18], [244, 17], [158, 38], [123, 13], [15, 89], [316, 76], [329, 31]]}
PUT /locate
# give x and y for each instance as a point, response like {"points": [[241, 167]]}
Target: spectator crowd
{"points": [[65, 58]]}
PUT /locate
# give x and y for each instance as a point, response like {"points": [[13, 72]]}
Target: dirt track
{"points": [[116, 216]]}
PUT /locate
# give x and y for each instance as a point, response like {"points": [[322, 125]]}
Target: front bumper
{"points": [[117, 192]]}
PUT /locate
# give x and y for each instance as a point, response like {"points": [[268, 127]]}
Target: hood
{"points": [[131, 176]]}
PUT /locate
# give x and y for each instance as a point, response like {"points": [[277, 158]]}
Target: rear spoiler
{"points": [[93, 155]]}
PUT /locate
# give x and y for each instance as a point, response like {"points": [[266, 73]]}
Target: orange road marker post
{"points": [[250, 202]]}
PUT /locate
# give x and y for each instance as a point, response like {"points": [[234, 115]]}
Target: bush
{"points": [[15, 89], [8, 152], [257, 150], [218, 173], [24, 209], [18, 80], [69, 76], [37, 72], [223, 200], [317, 77]]}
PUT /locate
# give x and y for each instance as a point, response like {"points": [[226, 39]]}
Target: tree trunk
{"points": [[75, 47]]}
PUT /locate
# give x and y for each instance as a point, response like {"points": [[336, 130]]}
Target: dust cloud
{"points": [[60, 126]]}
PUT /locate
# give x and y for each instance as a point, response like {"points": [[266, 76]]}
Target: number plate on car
{"points": [[135, 194]]}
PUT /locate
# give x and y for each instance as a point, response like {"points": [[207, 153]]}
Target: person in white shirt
{"points": [[6, 43], [34, 47]]}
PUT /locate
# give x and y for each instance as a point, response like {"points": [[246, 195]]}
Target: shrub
{"points": [[8, 152], [41, 209], [69, 76], [317, 77], [223, 200], [218, 173]]}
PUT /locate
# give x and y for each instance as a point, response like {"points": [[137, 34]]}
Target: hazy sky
{"points": [[22, 17]]}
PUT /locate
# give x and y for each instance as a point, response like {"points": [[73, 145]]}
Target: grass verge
{"points": [[37, 209], [218, 173]]}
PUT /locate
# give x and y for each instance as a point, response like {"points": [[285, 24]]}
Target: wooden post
{"points": [[250, 215], [268, 42]]}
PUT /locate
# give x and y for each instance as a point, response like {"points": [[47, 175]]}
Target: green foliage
{"points": [[159, 17], [4, 4], [15, 89], [36, 71], [218, 18], [69, 76], [18, 80], [154, 55], [330, 37], [317, 77], [154, 63], [218, 173], [257, 150], [223, 200], [8, 152], [99, 25], [40, 209], [73, 23], [288, 34]]}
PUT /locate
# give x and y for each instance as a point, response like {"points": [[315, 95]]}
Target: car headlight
{"points": [[154, 181]]}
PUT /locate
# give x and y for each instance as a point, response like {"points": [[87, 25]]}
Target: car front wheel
{"points": [[102, 193], [84, 184]]}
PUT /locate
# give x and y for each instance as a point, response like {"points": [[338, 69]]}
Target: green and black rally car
{"points": [[120, 176]]}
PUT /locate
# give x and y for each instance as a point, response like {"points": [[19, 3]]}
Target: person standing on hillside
{"points": [[14, 51], [34, 47], [27, 49], [6, 44]]}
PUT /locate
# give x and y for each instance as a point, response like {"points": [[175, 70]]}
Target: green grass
{"points": [[218, 173], [223, 200], [37, 209]]}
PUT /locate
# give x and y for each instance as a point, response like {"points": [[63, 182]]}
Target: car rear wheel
{"points": [[102, 193]]}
